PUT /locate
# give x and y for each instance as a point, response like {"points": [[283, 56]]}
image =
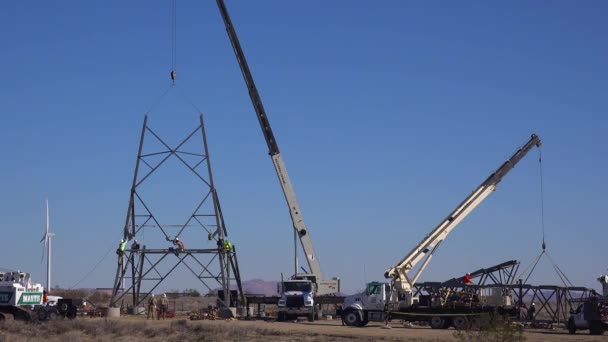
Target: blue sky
{"points": [[387, 113]]}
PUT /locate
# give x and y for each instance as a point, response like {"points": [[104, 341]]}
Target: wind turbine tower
{"points": [[47, 244]]}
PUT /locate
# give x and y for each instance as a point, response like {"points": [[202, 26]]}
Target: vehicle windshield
{"points": [[374, 288], [297, 286]]}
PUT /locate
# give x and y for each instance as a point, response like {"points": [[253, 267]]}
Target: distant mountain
{"points": [[260, 287]]}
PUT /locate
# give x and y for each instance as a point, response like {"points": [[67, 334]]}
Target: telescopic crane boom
{"points": [[273, 149], [399, 273]]}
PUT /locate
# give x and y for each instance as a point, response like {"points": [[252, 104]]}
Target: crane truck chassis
{"points": [[395, 300], [465, 312]]}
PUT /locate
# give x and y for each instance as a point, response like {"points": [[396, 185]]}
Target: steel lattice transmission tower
{"points": [[141, 269]]}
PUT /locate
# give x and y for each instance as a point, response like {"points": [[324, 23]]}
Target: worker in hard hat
{"points": [[467, 279], [164, 306], [531, 311], [151, 306], [180, 246], [227, 246], [121, 247], [135, 245]]}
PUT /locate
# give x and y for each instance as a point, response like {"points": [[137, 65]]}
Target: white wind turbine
{"points": [[47, 243]]}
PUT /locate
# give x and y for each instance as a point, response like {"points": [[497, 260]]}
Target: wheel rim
{"points": [[436, 322], [351, 318], [459, 322]]}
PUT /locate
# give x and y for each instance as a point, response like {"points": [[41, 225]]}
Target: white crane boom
{"points": [[277, 160], [403, 282]]}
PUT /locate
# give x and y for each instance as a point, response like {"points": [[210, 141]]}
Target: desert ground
{"points": [[180, 329]]}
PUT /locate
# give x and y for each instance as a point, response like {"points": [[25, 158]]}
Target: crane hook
{"points": [[173, 76]]}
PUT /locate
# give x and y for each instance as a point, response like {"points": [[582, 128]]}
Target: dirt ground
{"points": [[136, 329], [334, 331], [399, 332]]}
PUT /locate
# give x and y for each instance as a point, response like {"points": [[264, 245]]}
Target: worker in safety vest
{"points": [[179, 244], [227, 246], [121, 247]]}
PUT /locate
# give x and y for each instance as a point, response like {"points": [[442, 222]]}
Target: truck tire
{"points": [[596, 328], [352, 318], [281, 317], [42, 314], [437, 322], [311, 314], [460, 322], [571, 326]]}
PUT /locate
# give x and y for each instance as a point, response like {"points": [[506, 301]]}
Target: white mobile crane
{"points": [[390, 300], [297, 294]]}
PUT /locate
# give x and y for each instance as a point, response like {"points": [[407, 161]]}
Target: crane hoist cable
{"points": [[173, 73], [173, 41], [530, 269], [542, 196], [154, 104]]}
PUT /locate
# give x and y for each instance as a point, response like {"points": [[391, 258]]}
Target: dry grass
{"points": [[119, 330]]}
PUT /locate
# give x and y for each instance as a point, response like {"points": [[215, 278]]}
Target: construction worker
{"points": [[340, 312], [467, 279], [179, 244], [121, 247], [151, 307], [164, 306], [227, 246], [135, 246], [531, 311]]}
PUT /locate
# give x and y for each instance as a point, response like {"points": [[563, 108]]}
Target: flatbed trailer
{"points": [[458, 317]]}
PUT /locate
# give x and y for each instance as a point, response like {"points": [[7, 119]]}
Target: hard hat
{"points": [[176, 239], [153, 295], [533, 304], [135, 241], [468, 274], [164, 295]]}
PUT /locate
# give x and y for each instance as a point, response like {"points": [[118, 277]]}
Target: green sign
{"points": [[5, 297], [30, 298]]}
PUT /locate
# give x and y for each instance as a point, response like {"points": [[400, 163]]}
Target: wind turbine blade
{"points": [[47, 216], [43, 248]]}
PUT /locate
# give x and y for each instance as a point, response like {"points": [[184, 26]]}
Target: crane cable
{"points": [[558, 270], [542, 196], [562, 276], [86, 276], [173, 41]]}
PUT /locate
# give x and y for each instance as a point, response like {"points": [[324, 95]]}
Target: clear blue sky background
{"points": [[388, 114]]}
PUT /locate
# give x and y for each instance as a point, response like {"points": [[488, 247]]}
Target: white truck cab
{"points": [[368, 305], [297, 299]]}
